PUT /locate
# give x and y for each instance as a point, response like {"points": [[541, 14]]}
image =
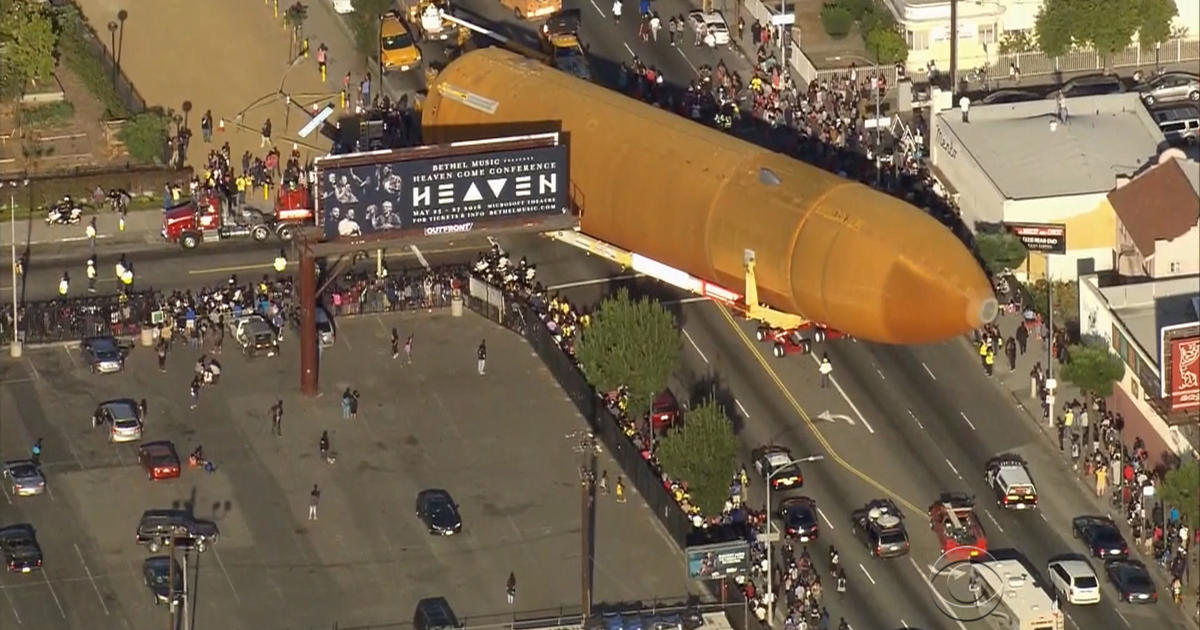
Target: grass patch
{"points": [[48, 115]]}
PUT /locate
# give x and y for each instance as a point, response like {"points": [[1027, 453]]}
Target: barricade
{"points": [[72, 319]]}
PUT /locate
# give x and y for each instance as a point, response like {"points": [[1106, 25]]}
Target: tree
{"points": [[888, 44], [1107, 26], [1093, 369], [144, 136], [28, 38], [1154, 22], [701, 452], [1016, 42], [294, 17], [1001, 251], [631, 343], [1066, 300], [1181, 488], [364, 21], [836, 20]]}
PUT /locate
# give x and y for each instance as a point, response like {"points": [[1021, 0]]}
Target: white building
{"points": [[1148, 324], [1158, 219], [1018, 163]]}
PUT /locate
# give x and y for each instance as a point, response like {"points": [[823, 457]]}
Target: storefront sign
{"points": [[443, 195], [1050, 238], [720, 560], [946, 142], [1179, 360]]}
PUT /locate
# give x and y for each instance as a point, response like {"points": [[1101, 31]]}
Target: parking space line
{"points": [[12, 606], [828, 523], [70, 356], [693, 342], [233, 588], [598, 9], [994, 521], [4, 487], [864, 570], [745, 414], [18, 381], [1043, 516], [903, 623], [33, 367], [91, 579], [53, 594], [689, 61], [629, 50]]}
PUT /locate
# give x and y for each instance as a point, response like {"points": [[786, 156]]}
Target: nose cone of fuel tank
{"points": [[891, 273]]}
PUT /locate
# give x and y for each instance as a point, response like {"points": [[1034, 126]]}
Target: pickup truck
{"points": [[255, 335]]}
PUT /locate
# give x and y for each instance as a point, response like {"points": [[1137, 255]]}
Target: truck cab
{"points": [[426, 15], [560, 39], [255, 335]]}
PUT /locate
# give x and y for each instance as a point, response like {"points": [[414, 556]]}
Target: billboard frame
{"points": [[694, 554], [1058, 248]]}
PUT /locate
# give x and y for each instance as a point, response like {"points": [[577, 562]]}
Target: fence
{"points": [[130, 98], [1038, 64], [73, 319]]}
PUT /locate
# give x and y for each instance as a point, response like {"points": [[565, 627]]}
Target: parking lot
{"points": [[498, 443]]}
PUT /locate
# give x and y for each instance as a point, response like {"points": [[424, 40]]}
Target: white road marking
{"points": [[1072, 620], [53, 593], [12, 606], [745, 414], [693, 342], [50, 491], [69, 239], [33, 367], [828, 523], [969, 423], [226, 574], [864, 570], [880, 373], [1121, 616], [70, 356], [4, 487], [914, 417], [928, 371], [1043, 516], [993, 520], [903, 623], [91, 579], [689, 61], [956, 473], [420, 257], [845, 397], [631, 53], [936, 594], [585, 283], [598, 9]]}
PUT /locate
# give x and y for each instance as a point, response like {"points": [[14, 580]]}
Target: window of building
{"points": [[1176, 267], [917, 40], [987, 34], [1135, 388]]}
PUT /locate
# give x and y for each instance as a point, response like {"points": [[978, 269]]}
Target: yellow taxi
{"points": [[397, 48]]}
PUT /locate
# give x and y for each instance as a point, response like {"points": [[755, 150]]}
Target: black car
{"points": [[799, 516], [1101, 535], [162, 528], [22, 553], [439, 512], [1132, 581], [880, 525], [164, 580], [104, 355], [1000, 97]]}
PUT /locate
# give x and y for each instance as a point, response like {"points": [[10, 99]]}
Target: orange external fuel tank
{"points": [[695, 198]]}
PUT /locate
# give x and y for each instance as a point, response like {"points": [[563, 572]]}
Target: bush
{"points": [[857, 8], [887, 43], [836, 20], [1001, 251], [144, 136], [48, 115]]}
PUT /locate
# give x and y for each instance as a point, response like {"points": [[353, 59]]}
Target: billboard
{"points": [[442, 195], [1050, 238], [720, 560], [1179, 362]]}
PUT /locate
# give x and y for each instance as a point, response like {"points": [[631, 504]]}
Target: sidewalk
{"points": [[1016, 383], [33, 230]]}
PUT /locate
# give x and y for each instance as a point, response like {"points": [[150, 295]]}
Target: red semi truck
{"points": [[202, 219]]}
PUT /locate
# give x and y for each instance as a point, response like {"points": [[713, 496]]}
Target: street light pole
{"points": [[14, 350], [771, 538], [187, 618], [588, 448], [112, 36]]}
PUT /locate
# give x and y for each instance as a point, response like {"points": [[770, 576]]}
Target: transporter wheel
{"points": [[779, 351], [819, 336], [760, 334], [805, 346]]}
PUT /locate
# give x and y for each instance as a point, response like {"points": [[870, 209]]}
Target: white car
{"points": [[342, 7], [1075, 581], [714, 22]]}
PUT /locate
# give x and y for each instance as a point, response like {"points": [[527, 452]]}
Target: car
{"points": [[770, 459], [326, 335], [122, 417], [1101, 535], [880, 524], [960, 534], [664, 411], [103, 355], [255, 335], [714, 21], [160, 460], [439, 512], [24, 478], [1074, 581], [397, 48], [164, 579], [1000, 97], [1008, 477], [342, 7], [1090, 85], [799, 516], [22, 553], [1179, 123], [1170, 86], [435, 613], [1132, 580], [173, 527]]}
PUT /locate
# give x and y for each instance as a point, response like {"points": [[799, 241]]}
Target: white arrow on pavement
{"points": [[834, 417]]}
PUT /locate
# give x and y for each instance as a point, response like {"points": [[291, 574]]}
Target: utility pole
{"points": [[953, 49], [1051, 384], [171, 582], [875, 87], [588, 448], [15, 348], [187, 618]]}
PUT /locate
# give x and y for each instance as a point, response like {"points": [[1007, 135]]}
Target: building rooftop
{"points": [[1161, 204], [1147, 307], [1028, 157]]}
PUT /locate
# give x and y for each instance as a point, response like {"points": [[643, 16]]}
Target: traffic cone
{"points": [[221, 126]]}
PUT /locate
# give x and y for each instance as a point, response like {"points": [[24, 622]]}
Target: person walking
{"points": [[616, 11], [346, 396], [314, 498], [277, 418], [620, 489], [395, 344], [1101, 481], [481, 357], [266, 134], [194, 391], [408, 344], [354, 405], [91, 232], [825, 369], [206, 125], [604, 483], [91, 273], [35, 453], [510, 588]]}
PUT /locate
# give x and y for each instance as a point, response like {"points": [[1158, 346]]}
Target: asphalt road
{"points": [[507, 461]]}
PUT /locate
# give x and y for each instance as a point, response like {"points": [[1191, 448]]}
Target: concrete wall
{"points": [[1182, 252], [978, 197]]}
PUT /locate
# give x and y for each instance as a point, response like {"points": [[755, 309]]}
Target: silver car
{"points": [[121, 418], [1171, 86], [24, 478]]}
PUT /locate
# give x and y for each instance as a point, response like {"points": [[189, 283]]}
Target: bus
{"points": [[1020, 602]]}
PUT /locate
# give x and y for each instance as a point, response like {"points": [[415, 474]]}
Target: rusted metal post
{"points": [[308, 322]]}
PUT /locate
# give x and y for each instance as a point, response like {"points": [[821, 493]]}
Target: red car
{"points": [[664, 411], [960, 534], [159, 459]]}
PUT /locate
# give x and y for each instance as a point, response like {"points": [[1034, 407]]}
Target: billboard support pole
{"points": [[308, 321], [379, 263]]}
